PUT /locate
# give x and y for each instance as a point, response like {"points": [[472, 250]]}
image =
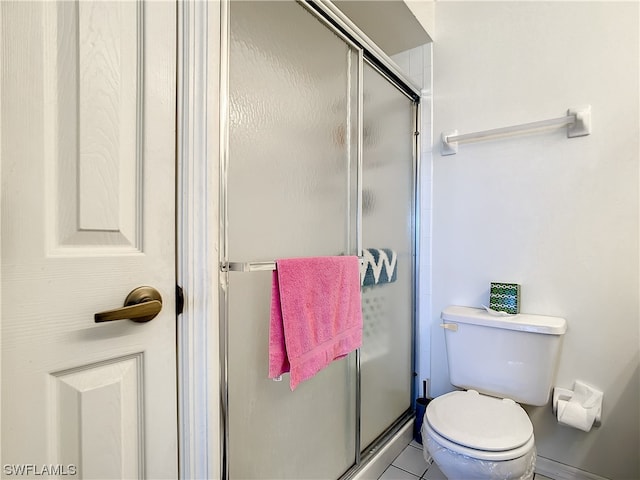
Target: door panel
{"points": [[291, 183], [103, 398], [88, 175], [387, 223], [93, 102]]}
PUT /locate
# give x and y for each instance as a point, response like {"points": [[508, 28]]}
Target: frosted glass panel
{"points": [[291, 188], [291, 82], [275, 433], [386, 368]]}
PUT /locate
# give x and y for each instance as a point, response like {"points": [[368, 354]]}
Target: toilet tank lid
{"points": [[522, 321]]}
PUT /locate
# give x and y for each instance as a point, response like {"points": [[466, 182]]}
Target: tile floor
{"points": [[411, 465]]}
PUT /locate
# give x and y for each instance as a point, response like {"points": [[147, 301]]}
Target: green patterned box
{"points": [[505, 297]]}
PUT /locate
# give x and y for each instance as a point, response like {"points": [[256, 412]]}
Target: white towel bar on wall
{"points": [[577, 120]]}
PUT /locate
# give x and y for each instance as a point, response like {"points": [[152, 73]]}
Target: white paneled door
{"points": [[88, 215]]}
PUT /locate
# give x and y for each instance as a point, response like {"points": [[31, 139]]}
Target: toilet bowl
{"points": [[474, 436]]}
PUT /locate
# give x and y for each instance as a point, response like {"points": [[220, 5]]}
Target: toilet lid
{"points": [[479, 421]]}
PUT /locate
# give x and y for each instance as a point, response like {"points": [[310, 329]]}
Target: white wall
{"points": [[559, 216]]}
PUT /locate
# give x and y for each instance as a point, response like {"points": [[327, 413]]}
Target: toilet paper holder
{"points": [[566, 395]]}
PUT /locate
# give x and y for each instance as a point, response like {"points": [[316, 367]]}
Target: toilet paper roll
{"points": [[572, 414]]}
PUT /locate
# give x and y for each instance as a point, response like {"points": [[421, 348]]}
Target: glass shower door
{"points": [[387, 223], [291, 192]]}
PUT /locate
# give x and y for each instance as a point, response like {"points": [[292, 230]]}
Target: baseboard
{"points": [[560, 471], [387, 454]]}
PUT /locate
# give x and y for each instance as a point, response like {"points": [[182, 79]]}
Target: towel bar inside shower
{"points": [[247, 266], [253, 266]]}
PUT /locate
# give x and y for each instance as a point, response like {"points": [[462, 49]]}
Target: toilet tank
{"points": [[513, 356]]}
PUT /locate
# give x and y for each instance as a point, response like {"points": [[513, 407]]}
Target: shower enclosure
{"points": [[320, 159]]}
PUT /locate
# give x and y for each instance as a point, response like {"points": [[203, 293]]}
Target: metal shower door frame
{"points": [[368, 52]]}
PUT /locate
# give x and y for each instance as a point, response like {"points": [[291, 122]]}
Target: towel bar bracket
{"points": [[582, 125], [449, 147]]}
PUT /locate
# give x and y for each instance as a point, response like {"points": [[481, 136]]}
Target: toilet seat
{"points": [[484, 455], [479, 426]]}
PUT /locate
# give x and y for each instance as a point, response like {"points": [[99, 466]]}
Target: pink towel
{"points": [[316, 314]]}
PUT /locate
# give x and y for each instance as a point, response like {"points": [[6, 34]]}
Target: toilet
{"points": [[481, 431]]}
